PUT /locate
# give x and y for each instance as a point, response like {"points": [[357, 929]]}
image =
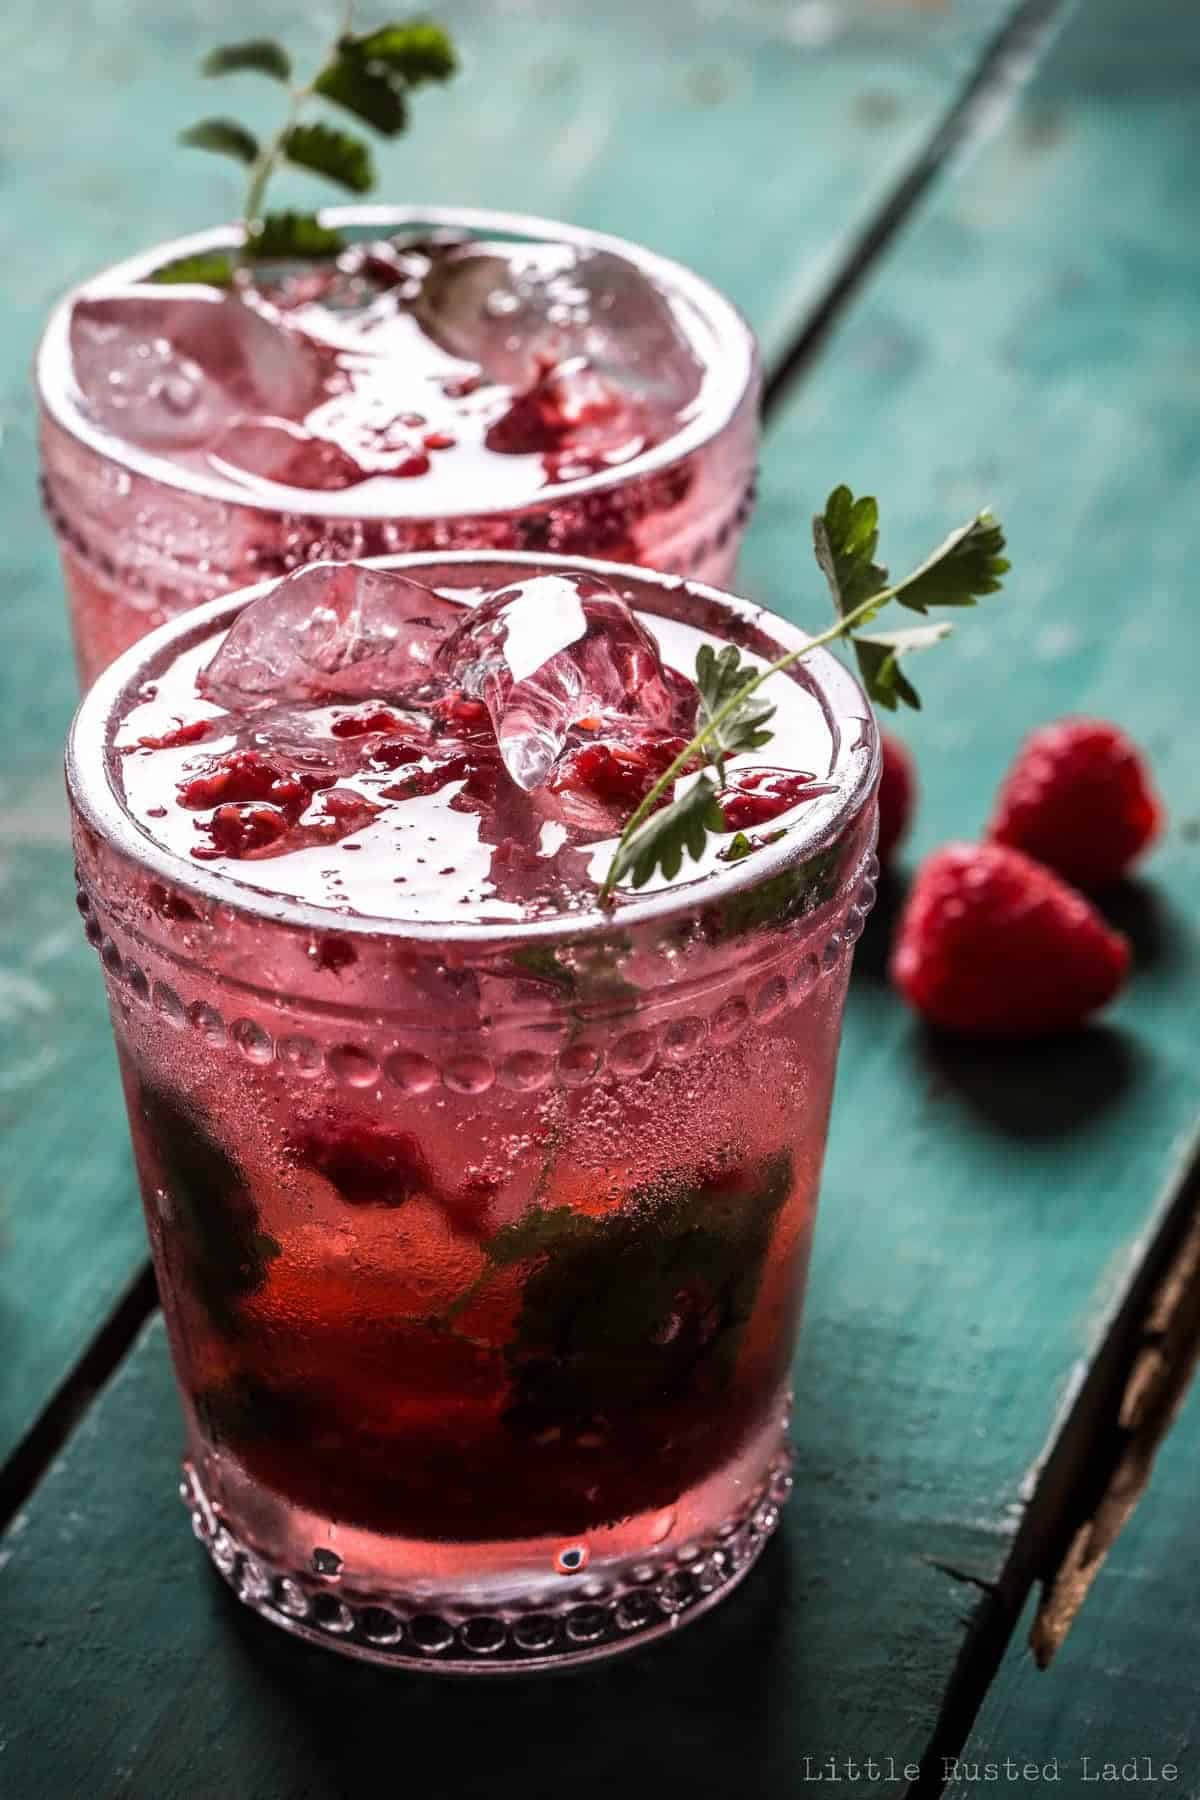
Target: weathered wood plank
{"points": [[1122, 1690], [751, 139]]}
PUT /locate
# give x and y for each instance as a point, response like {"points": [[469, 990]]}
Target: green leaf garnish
{"points": [[334, 154], [625, 1308], [733, 728], [879, 654], [415, 50], [967, 565], [373, 96], [682, 826], [369, 75], [263, 55], [292, 234], [214, 268], [225, 136]]}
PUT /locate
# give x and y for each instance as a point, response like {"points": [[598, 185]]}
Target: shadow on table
{"points": [[1036, 1090], [874, 946], [693, 1711]]}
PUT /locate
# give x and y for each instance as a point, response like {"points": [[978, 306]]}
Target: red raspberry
{"points": [[194, 732], [359, 724], [756, 796], [897, 793], [993, 944], [241, 829], [1079, 798], [368, 1164]]}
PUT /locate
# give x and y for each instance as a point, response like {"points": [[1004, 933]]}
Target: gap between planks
{"points": [[1094, 1469], [979, 109]]}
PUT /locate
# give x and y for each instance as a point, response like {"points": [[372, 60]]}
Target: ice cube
{"points": [[170, 367], [520, 310], [557, 651], [331, 631]]}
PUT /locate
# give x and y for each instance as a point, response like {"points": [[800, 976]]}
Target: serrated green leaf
{"points": [[738, 847], [262, 55], [879, 654], [292, 234], [212, 268], [660, 843], [415, 49], [538, 1232], [334, 154], [720, 678], [372, 95], [845, 538], [225, 136], [968, 564]]}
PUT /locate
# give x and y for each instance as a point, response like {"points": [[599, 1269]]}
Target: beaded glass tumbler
{"points": [[143, 539], [404, 1443]]}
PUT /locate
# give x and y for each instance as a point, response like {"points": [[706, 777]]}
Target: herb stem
{"points": [[268, 161], [840, 628]]}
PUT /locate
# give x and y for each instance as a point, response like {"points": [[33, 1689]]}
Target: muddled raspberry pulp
{"points": [[364, 742], [462, 374]]}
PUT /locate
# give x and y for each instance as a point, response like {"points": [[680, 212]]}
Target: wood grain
{"points": [[751, 139], [1123, 1687]]}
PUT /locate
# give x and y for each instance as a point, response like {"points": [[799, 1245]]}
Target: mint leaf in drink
{"points": [[336, 155], [213, 268], [214, 1220], [681, 827], [416, 50], [224, 136], [292, 234], [372, 95], [792, 894], [262, 55], [967, 565], [633, 1307]]}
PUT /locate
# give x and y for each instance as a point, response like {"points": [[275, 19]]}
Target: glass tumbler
{"points": [[410, 1438], [143, 539]]}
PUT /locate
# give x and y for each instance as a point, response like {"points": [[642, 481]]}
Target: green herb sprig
{"points": [[734, 717], [369, 74]]}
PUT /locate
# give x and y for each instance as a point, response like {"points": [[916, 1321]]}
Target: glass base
{"points": [[605, 1599]]}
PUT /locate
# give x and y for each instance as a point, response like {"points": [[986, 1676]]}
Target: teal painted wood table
{"points": [[970, 237]]}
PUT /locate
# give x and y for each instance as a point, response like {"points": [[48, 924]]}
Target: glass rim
{"points": [[853, 768], [734, 366]]}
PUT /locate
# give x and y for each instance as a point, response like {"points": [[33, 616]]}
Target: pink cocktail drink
{"points": [[453, 380], [480, 1212]]}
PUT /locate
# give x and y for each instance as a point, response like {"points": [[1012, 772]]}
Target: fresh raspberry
{"points": [[897, 793], [993, 944], [1080, 799]]}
